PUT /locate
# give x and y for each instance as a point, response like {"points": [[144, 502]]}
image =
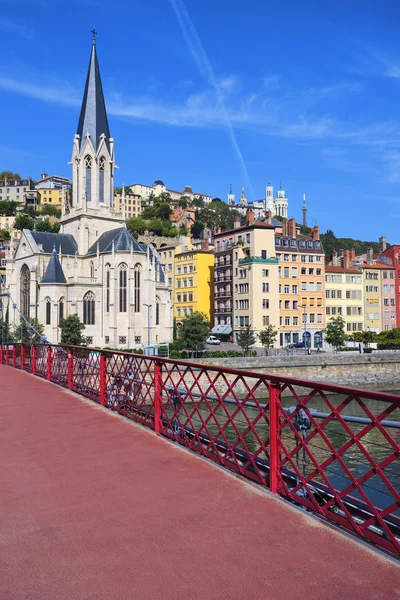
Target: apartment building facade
{"points": [[193, 284], [372, 297], [128, 204], [15, 190], [301, 286], [388, 290], [344, 297]]}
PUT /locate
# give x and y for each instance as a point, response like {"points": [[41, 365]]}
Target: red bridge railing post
{"points": [[1, 354], [274, 435], [70, 369], [49, 358], [157, 395], [22, 357], [33, 359], [7, 354], [102, 379], [14, 356]]}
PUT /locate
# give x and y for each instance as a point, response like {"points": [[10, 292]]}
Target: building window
{"points": [[102, 166], [89, 340], [122, 339], [88, 308], [122, 281], [157, 311], [265, 287], [91, 270], [107, 290], [48, 311], [88, 174], [25, 287], [61, 309], [137, 288]]}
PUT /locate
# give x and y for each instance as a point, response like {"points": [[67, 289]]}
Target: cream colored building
{"points": [[372, 283], [129, 205], [7, 223], [344, 297], [158, 188]]}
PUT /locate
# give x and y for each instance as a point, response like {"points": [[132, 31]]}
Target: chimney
{"points": [[346, 259], [334, 259], [369, 256], [291, 228], [382, 244], [315, 232], [236, 222], [284, 227], [352, 254], [250, 217], [268, 217]]}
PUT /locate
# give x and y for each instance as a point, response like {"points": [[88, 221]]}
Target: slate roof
{"points": [[50, 240], [122, 242], [93, 117], [54, 272]]}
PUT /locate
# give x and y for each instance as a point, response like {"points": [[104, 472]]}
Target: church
{"points": [[94, 267]]}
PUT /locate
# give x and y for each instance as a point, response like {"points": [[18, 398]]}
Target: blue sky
{"points": [[212, 93]]}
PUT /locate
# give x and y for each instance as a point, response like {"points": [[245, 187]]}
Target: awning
{"points": [[222, 329]]}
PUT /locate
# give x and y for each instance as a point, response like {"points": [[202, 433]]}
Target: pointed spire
{"points": [[230, 188], [93, 117], [54, 272]]}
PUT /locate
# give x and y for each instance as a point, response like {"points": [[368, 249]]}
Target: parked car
{"points": [[297, 345], [213, 340]]}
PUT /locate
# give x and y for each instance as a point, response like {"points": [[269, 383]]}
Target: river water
{"points": [[355, 458]]}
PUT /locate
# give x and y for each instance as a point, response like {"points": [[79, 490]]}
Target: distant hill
{"points": [[333, 244]]}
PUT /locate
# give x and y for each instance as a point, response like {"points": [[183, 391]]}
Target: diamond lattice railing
{"points": [[331, 449]]}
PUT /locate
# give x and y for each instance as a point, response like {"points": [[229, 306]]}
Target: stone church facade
{"points": [[94, 267]]}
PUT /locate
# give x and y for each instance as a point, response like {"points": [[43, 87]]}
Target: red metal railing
{"points": [[333, 450]]}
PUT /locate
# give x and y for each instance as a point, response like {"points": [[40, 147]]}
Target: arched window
{"points": [[88, 308], [60, 309], [108, 288], [102, 166], [137, 288], [88, 173], [25, 290], [47, 304], [77, 182], [157, 311], [122, 284], [91, 269]]}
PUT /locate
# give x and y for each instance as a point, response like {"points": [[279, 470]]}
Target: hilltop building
{"points": [[278, 205], [94, 267], [158, 188]]}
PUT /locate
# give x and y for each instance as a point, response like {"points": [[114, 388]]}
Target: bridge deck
{"points": [[93, 506]]}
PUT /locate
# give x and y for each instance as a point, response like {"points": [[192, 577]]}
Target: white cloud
{"points": [[16, 28]]}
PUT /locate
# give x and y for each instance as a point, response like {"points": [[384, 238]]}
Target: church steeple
{"points": [[93, 117]]}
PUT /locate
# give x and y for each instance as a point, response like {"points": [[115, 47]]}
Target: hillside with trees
{"points": [[331, 244]]}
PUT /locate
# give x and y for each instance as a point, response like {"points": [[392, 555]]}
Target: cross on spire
{"points": [[94, 33]]}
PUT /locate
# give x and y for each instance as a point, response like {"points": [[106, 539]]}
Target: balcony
{"points": [[223, 294], [258, 259], [222, 279], [222, 310]]}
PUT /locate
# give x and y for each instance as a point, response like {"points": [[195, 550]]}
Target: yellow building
{"points": [[301, 286], [7, 223], [344, 297], [194, 283], [51, 196], [372, 298], [133, 204]]}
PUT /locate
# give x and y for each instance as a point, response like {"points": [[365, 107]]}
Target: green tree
{"points": [[245, 339], [56, 227], [23, 222], [9, 175], [334, 333], [268, 336], [5, 234], [49, 209], [163, 211], [71, 331], [194, 332], [198, 202], [148, 213], [27, 333], [44, 225], [368, 337], [197, 229]]}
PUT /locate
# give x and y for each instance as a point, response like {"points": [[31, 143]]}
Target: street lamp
{"points": [[148, 325]]}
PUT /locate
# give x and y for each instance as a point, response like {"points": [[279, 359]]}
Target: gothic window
{"points": [[157, 311], [122, 281], [137, 288], [77, 180], [47, 304], [88, 173], [25, 290], [91, 269], [60, 309], [107, 288], [102, 166], [88, 308]]}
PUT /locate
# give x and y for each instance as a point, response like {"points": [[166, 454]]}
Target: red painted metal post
{"points": [[33, 355], [102, 379], [22, 357], [274, 442], [70, 369], [49, 357], [157, 396], [7, 354], [1, 354], [14, 356]]}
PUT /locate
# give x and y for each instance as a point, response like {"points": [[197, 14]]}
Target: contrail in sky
{"points": [[199, 54]]}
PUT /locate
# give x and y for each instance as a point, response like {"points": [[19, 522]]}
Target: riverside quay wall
{"points": [[379, 371]]}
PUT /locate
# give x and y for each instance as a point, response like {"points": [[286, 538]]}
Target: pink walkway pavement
{"points": [[94, 507]]}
